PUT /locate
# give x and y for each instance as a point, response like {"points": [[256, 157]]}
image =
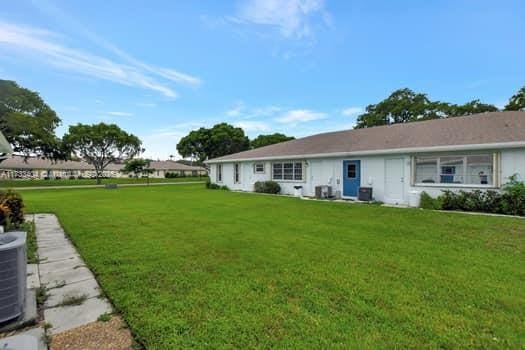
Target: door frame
{"points": [[403, 182], [344, 177]]}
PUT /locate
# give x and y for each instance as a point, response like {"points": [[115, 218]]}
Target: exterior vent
{"points": [[13, 275]]}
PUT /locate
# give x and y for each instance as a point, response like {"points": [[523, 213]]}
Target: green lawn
{"points": [[77, 182], [190, 267]]}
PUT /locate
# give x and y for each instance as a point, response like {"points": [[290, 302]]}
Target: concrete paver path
{"points": [[66, 279]]}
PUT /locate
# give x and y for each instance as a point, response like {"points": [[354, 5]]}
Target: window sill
{"points": [[448, 185], [290, 181]]}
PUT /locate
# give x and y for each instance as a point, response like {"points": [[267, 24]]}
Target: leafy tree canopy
{"points": [[27, 122], [137, 167], [265, 140], [517, 101], [405, 105], [101, 144], [220, 140]]}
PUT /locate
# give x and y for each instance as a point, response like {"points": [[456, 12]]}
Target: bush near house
{"points": [[267, 187], [510, 201], [11, 209]]}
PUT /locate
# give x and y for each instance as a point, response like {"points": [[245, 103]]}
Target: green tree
{"points": [[101, 144], [517, 101], [472, 107], [405, 105], [27, 122], [265, 140], [402, 106], [220, 140], [137, 167]]}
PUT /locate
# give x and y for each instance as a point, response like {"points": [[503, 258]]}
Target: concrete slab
{"points": [[56, 296], [65, 264], [64, 318], [33, 278], [53, 243], [31, 339], [49, 259], [56, 252], [51, 280]]}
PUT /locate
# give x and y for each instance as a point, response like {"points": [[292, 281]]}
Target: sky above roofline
{"points": [[162, 68]]}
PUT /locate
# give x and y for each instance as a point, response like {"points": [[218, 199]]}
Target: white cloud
{"points": [[147, 104], [300, 115], [252, 125], [120, 114], [236, 110], [29, 42], [292, 18], [351, 111]]}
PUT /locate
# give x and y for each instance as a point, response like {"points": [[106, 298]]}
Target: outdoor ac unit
{"points": [[13, 275], [323, 191]]}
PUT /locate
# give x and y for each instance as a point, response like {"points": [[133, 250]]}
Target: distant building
{"points": [[17, 167]]}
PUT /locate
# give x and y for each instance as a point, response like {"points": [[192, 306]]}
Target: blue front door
{"points": [[351, 177]]}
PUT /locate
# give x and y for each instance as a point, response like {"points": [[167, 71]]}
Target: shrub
{"points": [[513, 197], [212, 186], [267, 187], [12, 206], [511, 201], [428, 202], [170, 175], [71, 177]]}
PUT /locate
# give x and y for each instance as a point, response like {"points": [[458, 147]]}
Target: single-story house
{"points": [[478, 151], [18, 167]]}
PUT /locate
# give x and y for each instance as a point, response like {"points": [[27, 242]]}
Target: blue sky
{"points": [[162, 68]]}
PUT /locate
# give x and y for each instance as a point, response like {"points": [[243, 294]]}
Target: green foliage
{"points": [[267, 187], [472, 107], [31, 244], [513, 198], [213, 186], [105, 317], [265, 140], [248, 271], [137, 167], [11, 209], [170, 175], [428, 202], [517, 101], [511, 201], [405, 105], [220, 140], [27, 122], [101, 144]]}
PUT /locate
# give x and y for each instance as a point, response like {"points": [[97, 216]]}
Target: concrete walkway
{"points": [[73, 293], [102, 186]]}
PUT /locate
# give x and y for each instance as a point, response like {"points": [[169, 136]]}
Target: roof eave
{"points": [[471, 147]]}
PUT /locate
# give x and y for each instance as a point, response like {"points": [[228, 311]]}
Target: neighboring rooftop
{"points": [[19, 162], [483, 128]]}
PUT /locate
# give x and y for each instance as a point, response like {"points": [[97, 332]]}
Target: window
{"points": [[237, 173], [219, 173], [258, 168], [474, 169], [351, 171], [289, 171]]}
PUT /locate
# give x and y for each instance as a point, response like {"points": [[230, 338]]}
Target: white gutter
{"points": [[471, 147]]}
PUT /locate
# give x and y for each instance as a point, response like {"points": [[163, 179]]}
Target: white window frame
{"points": [[282, 179], [236, 173], [218, 173], [255, 168], [495, 171]]}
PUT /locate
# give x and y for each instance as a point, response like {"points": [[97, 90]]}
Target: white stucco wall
{"points": [[329, 171]]}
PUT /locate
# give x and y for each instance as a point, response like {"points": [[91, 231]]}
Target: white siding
{"points": [[329, 171]]}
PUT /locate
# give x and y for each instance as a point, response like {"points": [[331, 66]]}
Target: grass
{"points": [[31, 251], [189, 267], [82, 182], [71, 300]]}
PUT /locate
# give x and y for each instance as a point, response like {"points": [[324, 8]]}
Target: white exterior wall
{"points": [[329, 171]]}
